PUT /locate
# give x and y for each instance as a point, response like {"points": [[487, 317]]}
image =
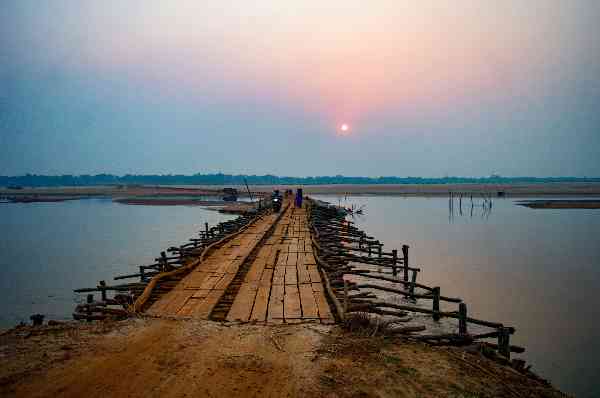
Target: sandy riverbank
{"points": [[510, 190], [176, 358]]}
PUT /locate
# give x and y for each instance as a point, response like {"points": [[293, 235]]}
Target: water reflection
{"points": [[535, 269], [49, 249], [478, 206]]}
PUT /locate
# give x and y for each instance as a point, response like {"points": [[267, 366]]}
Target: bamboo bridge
{"points": [[306, 263]]}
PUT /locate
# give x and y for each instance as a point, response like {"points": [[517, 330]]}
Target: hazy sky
{"points": [[427, 88]]}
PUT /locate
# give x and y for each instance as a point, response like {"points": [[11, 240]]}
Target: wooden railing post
{"points": [[462, 319], [206, 229], [394, 261], [163, 261], [405, 261], [142, 276], [504, 342], [436, 303], [102, 287], [379, 248], [345, 297], [413, 282]]}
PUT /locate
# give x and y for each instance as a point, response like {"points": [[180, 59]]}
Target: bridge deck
{"points": [[272, 272]]}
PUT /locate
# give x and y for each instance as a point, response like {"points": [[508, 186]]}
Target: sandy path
{"points": [[169, 358]]}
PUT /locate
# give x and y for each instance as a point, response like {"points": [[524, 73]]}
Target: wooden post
{"points": [[142, 276], [90, 300], [436, 303], [206, 229], [369, 244], [163, 260], [412, 283], [181, 254], [405, 254], [394, 261], [504, 342], [345, 297], [380, 248], [462, 319], [102, 286], [360, 242]]}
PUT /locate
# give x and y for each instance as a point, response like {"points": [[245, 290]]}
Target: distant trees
{"points": [[33, 180]]}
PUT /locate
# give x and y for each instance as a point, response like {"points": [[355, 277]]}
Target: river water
{"points": [[537, 270], [49, 249]]}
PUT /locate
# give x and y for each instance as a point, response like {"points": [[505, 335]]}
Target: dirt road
{"points": [[198, 358]]}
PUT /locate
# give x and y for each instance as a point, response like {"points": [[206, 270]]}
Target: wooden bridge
{"points": [[267, 273], [303, 264]]}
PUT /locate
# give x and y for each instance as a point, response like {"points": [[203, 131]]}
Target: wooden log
{"points": [[406, 329], [512, 348], [394, 261]]}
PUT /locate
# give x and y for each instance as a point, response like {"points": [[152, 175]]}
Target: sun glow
{"points": [[343, 130]]}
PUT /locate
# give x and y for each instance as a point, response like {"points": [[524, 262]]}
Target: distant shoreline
{"points": [[585, 189]]}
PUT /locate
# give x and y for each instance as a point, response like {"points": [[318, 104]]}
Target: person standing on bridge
{"points": [[299, 197]]}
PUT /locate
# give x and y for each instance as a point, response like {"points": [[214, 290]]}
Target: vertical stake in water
{"points": [[462, 319], [504, 342], [206, 229], [405, 260], [436, 303], [413, 282], [102, 287], [394, 261]]}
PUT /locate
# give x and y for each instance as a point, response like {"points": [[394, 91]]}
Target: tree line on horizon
{"points": [[34, 180]]}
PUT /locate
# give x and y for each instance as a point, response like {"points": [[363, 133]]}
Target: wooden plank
{"points": [[292, 258], [210, 281], [267, 277], [315, 277], [323, 306], [291, 277], [307, 299], [206, 305], [282, 259], [275, 310], [242, 305], [264, 252], [303, 275], [177, 301], [261, 303], [199, 294], [309, 258], [291, 303], [194, 280], [255, 271], [224, 282], [271, 259], [317, 287]]}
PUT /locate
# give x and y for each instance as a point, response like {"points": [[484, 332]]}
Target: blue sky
{"points": [[428, 89]]}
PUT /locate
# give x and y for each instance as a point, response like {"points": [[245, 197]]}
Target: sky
{"points": [[428, 88]]}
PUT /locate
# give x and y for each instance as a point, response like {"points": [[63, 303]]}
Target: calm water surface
{"points": [[49, 249], [538, 270]]}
